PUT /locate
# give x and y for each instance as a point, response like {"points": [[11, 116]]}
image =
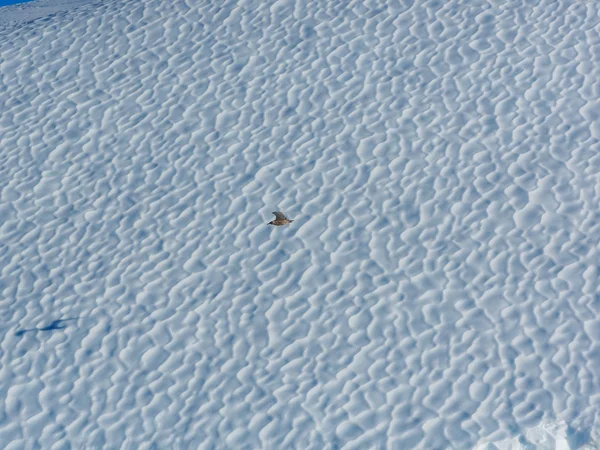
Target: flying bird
{"points": [[280, 219]]}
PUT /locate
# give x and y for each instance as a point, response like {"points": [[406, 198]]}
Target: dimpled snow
{"points": [[438, 288]]}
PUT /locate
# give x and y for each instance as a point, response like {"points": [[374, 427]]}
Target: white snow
{"points": [[29, 11], [438, 288]]}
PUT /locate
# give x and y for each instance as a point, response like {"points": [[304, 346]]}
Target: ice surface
{"points": [[438, 288]]}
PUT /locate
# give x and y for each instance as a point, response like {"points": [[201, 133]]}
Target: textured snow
{"points": [[438, 288], [26, 12]]}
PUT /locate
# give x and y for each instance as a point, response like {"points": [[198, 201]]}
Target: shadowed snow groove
{"points": [[438, 288]]}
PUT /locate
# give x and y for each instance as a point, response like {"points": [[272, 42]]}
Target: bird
{"points": [[280, 219]]}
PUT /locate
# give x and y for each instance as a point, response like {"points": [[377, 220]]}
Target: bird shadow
{"points": [[56, 325]]}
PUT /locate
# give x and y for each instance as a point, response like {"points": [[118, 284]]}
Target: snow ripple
{"points": [[438, 288]]}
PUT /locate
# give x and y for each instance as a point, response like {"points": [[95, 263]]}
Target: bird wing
{"points": [[279, 215]]}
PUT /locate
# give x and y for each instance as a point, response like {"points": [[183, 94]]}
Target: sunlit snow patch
{"points": [[550, 436]]}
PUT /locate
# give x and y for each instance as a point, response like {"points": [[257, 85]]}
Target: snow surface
{"points": [[437, 290], [25, 12]]}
